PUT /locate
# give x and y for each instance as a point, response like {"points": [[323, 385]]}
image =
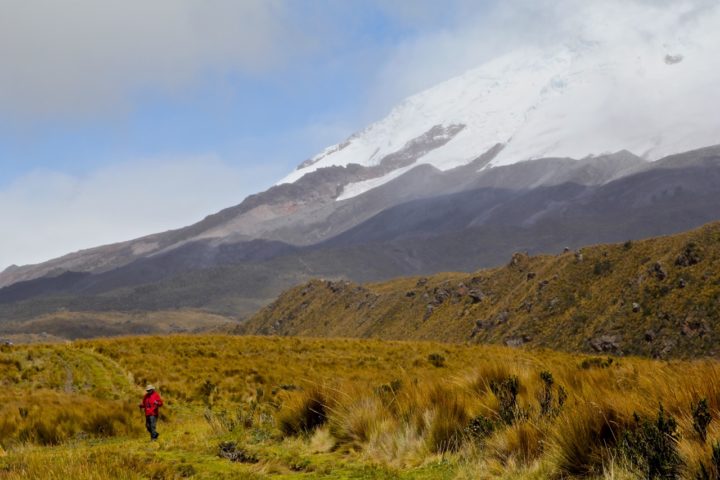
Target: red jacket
{"points": [[151, 402]]}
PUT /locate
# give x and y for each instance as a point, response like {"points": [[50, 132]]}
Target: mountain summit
{"points": [[573, 101], [605, 138]]}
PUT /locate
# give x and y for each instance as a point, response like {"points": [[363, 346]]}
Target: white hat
{"points": [[149, 387]]}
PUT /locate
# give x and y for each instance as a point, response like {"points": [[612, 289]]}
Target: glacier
{"points": [[653, 95]]}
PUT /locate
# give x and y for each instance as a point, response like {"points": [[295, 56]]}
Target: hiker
{"points": [[151, 402]]}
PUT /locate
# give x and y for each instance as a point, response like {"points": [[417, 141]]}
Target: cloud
{"points": [[50, 213], [84, 57], [474, 35], [59, 60]]}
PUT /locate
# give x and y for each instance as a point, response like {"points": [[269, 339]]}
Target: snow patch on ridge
{"points": [[354, 189], [649, 92]]}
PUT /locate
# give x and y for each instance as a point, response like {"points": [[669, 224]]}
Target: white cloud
{"points": [[47, 214], [59, 59], [477, 34], [87, 56]]}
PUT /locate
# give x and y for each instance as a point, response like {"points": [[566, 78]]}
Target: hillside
{"points": [[658, 297], [423, 222], [257, 408]]}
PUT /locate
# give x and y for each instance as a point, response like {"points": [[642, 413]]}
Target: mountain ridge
{"points": [[657, 297], [463, 231]]}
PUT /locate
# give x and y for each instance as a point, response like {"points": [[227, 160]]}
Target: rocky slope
{"points": [[461, 222], [658, 297], [602, 138]]}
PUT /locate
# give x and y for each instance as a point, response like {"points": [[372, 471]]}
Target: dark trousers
{"points": [[150, 424]]}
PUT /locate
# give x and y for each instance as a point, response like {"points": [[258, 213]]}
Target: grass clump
{"points": [[304, 413], [584, 440], [449, 422]]}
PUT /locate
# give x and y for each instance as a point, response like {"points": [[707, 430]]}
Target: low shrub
{"points": [[436, 360], [701, 418], [596, 362], [480, 427], [506, 391], [550, 403], [652, 446], [712, 470]]}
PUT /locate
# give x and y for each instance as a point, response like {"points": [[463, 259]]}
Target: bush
{"points": [[480, 427], [711, 472], [506, 392], [602, 267], [652, 446], [596, 362], [545, 397], [701, 418], [436, 360], [549, 405], [206, 391]]}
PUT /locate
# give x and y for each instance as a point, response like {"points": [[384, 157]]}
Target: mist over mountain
{"points": [[600, 138]]}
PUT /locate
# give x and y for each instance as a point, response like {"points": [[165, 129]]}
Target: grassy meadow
{"points": [[254, 407]]}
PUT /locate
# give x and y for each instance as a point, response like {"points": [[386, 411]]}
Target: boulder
{"points": [[502, 317], [690, 255], [658, 271], [439, 296], [475, 295], [694, 327], [605, 343], [517, 340]]}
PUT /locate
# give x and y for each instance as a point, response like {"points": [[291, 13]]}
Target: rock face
{"points": [[605, 344]]}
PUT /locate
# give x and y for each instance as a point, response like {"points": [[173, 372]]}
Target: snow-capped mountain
{"points": [[653, 98], [562, 144]]}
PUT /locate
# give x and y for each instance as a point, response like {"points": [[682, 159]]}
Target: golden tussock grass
{"points": [[247, 407]]}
